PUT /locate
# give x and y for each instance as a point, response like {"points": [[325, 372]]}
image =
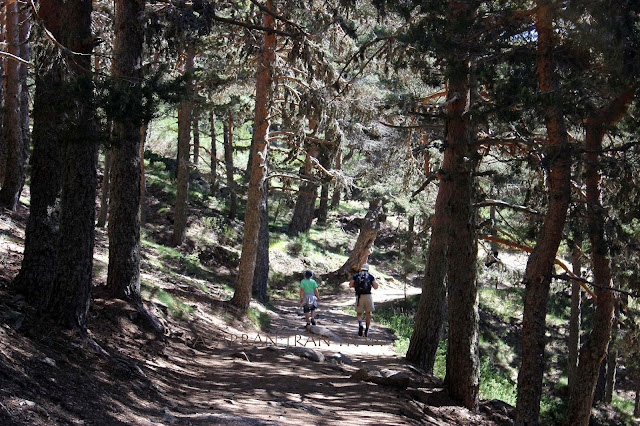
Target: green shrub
{"points": [[262, 320]]}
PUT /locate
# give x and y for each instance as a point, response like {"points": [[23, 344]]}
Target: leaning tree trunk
{"points": [[123, 278], [368, 232], [12, 140], [537, 278], [257, 183], [595, 348], [69, 297], [303, 211], [184, 132], [463, 367], [227, 128], [37, 271]]}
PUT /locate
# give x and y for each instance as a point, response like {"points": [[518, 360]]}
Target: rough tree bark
{"points": [[303, 211], [37, 271], [453, 248], [261, 274], [463, 371], [69, 297], [3, 154], [184, 132], [25, 53], [123, 278], [595, 348], [537, 278], [12, 140], [264, 83], [429, 315], [227, 128]]}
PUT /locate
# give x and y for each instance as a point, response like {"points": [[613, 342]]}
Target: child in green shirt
{"points": [[309, 297]]}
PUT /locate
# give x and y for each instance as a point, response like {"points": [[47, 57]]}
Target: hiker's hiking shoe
{"points": [[366, 332], [360, 328], [313, 321], [307, 325]]}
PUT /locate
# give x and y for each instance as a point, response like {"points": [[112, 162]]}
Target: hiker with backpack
{"points": [[309, 297], [362, 282]]}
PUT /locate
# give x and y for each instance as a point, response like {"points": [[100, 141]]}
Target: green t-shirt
{"points": [[307, 285]]}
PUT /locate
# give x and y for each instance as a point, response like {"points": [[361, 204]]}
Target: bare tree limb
{"points": [[499, 203]]}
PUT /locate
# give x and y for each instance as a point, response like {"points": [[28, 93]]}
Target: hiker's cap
{"points": [[308, 274], [365, 267]]}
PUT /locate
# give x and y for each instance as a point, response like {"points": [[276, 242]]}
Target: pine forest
{"points": [[286, 212]]}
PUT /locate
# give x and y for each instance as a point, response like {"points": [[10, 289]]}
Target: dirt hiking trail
{"points": [[213, 367]]}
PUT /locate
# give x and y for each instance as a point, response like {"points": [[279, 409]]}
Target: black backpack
{"points": [[362, 281]]}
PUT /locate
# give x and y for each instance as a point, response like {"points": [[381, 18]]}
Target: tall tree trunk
{"points": [[261, 274], [463, 371], [537, 278], [227, 128], [213, 177], [306, 202], [69, 297], [362, 249], [636, 406], [453, 249], [123, 279], [252, 222], [25, 54], [3, 151], [595, 348], [104, 194], [143, 179], [184, 132], [337, 190], [574, 320], [37, 271], [408, 248], [323, 205], [12, 127], [429, 315], [612, 363], [598, 390], [196, 139]]}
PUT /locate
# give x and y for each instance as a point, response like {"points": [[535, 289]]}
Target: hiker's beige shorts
{"points": [[364, 303]]}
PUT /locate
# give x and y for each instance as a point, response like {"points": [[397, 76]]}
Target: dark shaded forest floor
{"points": [[212, 367]]}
